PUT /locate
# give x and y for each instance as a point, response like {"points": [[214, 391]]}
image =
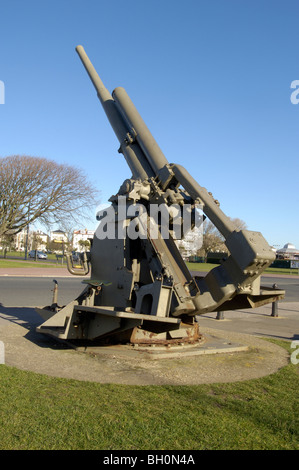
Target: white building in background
{"points": [[20, 239], [192, 242], [41, 240], [289, 251], [31, 238], [79, 235], [58, 236]]}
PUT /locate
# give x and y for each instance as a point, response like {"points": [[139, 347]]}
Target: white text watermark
{"points": [[2, 353], [2, 92], [154, 221], [295, 354], [295, 94]]}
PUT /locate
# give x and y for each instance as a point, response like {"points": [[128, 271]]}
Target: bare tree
{"points": [[213, 240], [33, 188]]}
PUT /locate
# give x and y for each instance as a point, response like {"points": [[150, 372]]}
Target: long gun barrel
{"points": [[140, 149], [142, 153], [143, 136]]}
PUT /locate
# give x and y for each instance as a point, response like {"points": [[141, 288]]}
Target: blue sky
{"points": [[212, 80]]}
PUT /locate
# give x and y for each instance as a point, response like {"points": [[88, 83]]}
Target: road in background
{"points": [[37, 291], [19, 295], [290, 285]]}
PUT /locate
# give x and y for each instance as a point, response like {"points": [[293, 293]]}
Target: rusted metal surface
{"points": [[187, 335]]}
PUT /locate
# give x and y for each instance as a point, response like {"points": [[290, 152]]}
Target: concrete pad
{"points": [[207, 345], [31, 351], [259, 321]]}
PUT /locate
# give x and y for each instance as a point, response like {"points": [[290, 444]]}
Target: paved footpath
{"points": [[26, 349]]}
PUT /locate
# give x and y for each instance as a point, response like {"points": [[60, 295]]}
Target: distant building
{"points": [[39, 240], [81, 236], [190, 244], [289, 251], [33, 239], [21, 238], [58, 236]]}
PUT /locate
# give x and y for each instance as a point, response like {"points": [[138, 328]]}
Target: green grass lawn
{"points": [[11, 263], [208, 266], [203, 267], [41, 412]]}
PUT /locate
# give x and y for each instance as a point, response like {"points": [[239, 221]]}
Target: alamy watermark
{"points": [[295, 94], [2, 353], [2, 92], [295, 354], [156, 220]]}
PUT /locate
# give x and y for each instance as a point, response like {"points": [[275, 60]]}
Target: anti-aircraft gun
{"points": [[140, 290]]}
